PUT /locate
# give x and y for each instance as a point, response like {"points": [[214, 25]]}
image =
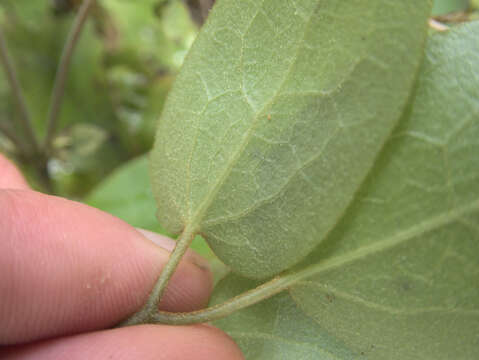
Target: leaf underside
{"points": [[398, 276], [276, 118]]}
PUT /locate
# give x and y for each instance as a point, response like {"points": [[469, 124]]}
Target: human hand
{"points": [[69, 271]]}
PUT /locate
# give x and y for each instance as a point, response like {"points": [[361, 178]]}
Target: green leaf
{"points": [[275, 329], [276, 118], [403, 265], [127, 195], [398, 276], [442, 7]]}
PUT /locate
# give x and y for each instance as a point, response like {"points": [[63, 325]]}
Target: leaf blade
{"points": [[252, 120], [412, 294], [276, 328], [402, 265]]}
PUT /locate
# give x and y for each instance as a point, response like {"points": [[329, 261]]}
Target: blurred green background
{"points": [[123, 66]]}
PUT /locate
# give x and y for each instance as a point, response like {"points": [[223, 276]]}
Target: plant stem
{"points": [[62, 72], [248, 298], [17, 93], [148, 312], [9, 134], [239, 302]]}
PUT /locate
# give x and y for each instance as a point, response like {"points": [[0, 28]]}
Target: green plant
{"points": [[120, 62], [328, 153], [264, 147]]}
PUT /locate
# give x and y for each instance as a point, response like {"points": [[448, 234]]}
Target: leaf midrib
{"points": [[197, 217], [386, 244]]}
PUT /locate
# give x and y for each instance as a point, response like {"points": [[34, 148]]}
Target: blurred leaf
{"points": [[143, 32], [80, 143], [126, 194], [442, 7], [121, 72]]}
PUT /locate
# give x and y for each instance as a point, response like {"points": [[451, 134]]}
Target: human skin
{"points": [[69, 273]]}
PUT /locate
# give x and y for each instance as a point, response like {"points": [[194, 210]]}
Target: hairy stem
{"points": [[17, 93], [148, 312], [62, 72]]}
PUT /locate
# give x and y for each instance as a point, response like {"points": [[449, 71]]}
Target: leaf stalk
{"points": [[149, 311], [216, 312]]}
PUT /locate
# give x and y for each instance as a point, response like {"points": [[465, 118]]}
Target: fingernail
{"points": [[199, 261], [169, 244], [160, 240]]}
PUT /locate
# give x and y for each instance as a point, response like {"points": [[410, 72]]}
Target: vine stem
{"points": [[148, 312], [62, 72], [17, 93]]}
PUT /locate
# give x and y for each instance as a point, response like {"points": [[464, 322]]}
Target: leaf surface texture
{"points": [[398, 276], [276, 118]]}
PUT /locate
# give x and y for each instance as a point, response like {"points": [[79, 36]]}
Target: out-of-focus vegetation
{"points": [[121, 71]]}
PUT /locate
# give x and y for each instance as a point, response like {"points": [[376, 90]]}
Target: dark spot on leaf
{"points": [[330, 298]]}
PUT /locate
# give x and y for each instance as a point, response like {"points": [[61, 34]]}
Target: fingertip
{"points": [[10, 176], [73, 269], [199, 342]]}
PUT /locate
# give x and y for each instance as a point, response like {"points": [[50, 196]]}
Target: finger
{"points": [[147, 342], [68, 268], [10, 177], [178, 298]]}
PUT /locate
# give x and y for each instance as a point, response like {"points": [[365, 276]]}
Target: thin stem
{"points": [[150, 309], [239, 302], [62, 72], [9, 134], [41, 167], [17, 93]]}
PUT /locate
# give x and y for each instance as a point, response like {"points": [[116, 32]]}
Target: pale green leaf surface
{"points": [[275, 329], [275, 119], [401, 270]]}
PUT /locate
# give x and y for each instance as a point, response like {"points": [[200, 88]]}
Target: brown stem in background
{"points": [[17, 93], [199, 9], [62, 72], [41, 168], [10, 135]]}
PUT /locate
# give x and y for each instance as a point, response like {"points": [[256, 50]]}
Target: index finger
{"points": [[67, 268]]}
